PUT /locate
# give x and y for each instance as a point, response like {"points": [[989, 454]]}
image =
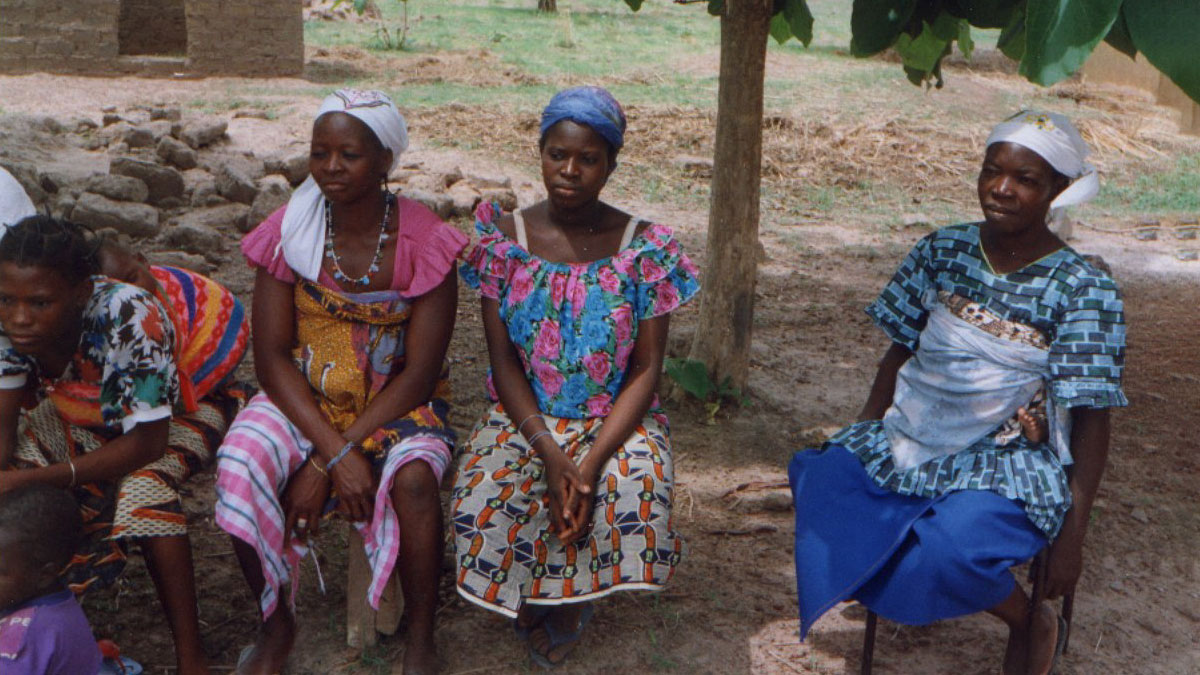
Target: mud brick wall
{"points": [[152, 27], [57, 35], [264, 37]]}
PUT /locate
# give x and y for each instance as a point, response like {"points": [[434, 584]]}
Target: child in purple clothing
{"points": [[42, 629]]}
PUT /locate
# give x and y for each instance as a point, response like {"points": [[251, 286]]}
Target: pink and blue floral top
{"points": [[574, 325]]}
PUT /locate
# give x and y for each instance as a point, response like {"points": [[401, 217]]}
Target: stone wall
{"points": [[264, 37], [223, 37], [152, 27], [57, 35]]}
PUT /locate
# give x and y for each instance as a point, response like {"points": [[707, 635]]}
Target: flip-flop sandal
{"points": [[244, 656], [537, 614], [561, 639], [122, 665]]}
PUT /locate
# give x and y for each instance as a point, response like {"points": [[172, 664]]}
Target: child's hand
{"points": [[1034, 426]]}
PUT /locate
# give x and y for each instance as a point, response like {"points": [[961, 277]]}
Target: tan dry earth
{"points": [[732, 607]]}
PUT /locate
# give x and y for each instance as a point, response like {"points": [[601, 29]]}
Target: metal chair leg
{"points": [[868, 651], [1068, 607], [1037, 573]]}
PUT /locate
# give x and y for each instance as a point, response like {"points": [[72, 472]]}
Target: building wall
{"points": [[223, 37], [57, 35], [1106, 64], [152, 27], [264, 37]]}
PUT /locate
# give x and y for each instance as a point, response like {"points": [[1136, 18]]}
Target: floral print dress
{"points": [[574, 326]]}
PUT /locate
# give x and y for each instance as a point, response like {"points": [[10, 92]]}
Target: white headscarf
{"points": [[1055, 139], [302, 233], [14, 203]]}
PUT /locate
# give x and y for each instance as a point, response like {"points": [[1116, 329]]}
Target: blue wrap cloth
{"points": [[912, 560], [591, 106]]}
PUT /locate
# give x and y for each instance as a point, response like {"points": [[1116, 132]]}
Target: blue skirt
{"points": [[912, 560]]}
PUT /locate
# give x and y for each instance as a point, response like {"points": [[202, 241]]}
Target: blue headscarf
{"points": [[590, 106]]}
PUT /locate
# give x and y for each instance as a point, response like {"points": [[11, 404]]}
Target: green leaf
{"points": [[876, 24], [987, 13], [1119, 37], [635, 5], [965, 44], [360, 6], [1012, 39], [922, 52], [800, 19], [780, 30], [1061, 34], [1168, 33], [692, 376], [716, 7]]}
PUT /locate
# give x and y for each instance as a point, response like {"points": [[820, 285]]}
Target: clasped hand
{"points": [[308, 491], [570, 492]]}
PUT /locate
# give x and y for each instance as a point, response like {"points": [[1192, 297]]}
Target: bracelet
{"points": [[340, 456], [313, 461], [533, 439], [522, 424], [73, 475]]}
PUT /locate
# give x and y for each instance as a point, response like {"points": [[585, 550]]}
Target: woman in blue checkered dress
{"points": [[986, 430]]}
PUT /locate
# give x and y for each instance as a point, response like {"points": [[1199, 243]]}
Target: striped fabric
{"points": [[261, 451], [210, 323]]}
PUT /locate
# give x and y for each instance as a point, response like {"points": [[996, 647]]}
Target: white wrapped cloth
{"points": [[14, 203], [302, 232], [1056, 140], [959, 386]]}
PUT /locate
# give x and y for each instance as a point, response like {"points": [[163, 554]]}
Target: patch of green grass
{"points": [[1176, 190]]}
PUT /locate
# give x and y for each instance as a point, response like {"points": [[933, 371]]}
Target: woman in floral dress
{"points": [[564, 490]]}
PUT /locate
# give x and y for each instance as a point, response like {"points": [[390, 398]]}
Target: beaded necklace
{"points": [[331, 252]]}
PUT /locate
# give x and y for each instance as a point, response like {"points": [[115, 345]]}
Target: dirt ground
{"points": [[732, 607]]}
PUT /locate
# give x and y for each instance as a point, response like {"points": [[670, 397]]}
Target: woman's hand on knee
{"points": [[304, 501], [355, 485]]}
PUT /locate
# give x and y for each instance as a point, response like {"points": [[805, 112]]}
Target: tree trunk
{"points": [[550, 6], [727, 304]]}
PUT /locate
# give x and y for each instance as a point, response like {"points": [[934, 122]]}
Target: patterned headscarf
{"points": [[1055, 139], [302, 233], [590, 106]]}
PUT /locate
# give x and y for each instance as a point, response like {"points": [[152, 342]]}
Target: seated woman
{"points": [[576, 299], [354, 303], [93, 361], [919, 509]]}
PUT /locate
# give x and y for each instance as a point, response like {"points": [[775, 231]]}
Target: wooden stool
{"points": [[363, 624]]}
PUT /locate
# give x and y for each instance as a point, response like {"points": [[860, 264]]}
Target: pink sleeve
{"points": [[261, 248], [429, 252]]}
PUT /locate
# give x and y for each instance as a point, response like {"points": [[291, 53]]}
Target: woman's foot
{"points": [[1039, 651], [272, 646], [420, 655], [556, 637], [528, 619]]}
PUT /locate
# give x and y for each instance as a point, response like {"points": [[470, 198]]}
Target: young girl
{"points": [[951, 476], [93, 363], [564, 491], [354, 304]]}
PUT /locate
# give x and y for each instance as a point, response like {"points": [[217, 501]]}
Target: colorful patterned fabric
{"points": [[262, 451], [144, 503], [506, 554], [211, 328], [349, 346], [574, 325], [124, 372], [1075, 306]]}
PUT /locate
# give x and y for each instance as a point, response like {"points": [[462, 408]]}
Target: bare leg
{"points": [[566, 621], [278, 632], [419, 508], [1014, 612], [169, 560]]}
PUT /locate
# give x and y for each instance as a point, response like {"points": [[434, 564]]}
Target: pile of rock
{"points": [[454, 193]]}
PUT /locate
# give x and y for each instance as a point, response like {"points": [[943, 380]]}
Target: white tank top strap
{"points": [[630, 230], [519, 222]]}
